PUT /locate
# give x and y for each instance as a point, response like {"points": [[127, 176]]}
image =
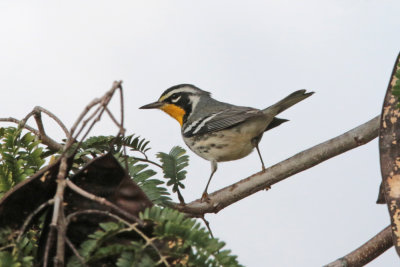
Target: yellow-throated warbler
{"points": [[218, 131]]}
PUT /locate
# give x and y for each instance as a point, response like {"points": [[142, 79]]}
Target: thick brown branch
{"points": [[367, 252], [278, 172]]}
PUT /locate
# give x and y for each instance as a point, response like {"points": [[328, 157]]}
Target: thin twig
{"points": [[180, 197], [113, 118], [122, 107], [278, 172], [33, 214], [367, 252], [39, 123], [104, 101], [207, 225], [69, 218], [83, 114], [52, 144], [148, 161], [54, 117], [48, 244], [149, 241], [75, 251]]}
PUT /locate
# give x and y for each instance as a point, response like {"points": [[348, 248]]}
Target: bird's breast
{"points": [[226, 145]]}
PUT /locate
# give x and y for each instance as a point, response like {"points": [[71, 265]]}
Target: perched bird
{"points": [[218, 131]]}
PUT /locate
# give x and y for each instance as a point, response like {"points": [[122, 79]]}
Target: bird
{"points": [[218, 131]]}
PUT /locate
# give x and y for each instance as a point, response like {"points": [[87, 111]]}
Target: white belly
{"points": [[226, 145]]}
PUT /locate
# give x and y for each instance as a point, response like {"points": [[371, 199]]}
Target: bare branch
{"points": [[149, 241], [39, 109], [148, 161], [75, 251], [58, 219], [367, 252], [103, 104], [113, 118], [278, 172], [52, 144], [33, 214]]}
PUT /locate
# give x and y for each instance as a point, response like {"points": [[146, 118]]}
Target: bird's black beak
{"points": [[152, 105]]}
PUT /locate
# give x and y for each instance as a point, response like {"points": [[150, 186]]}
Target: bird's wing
{"points": [[220, 120]]}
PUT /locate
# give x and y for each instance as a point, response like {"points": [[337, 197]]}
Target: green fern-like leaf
{"points": [[23, 251], [142, 176], [193, 245], [126, 259], [92, 249], [20, 157], [173, 165], [97, 145], [134, 143], [175, 237]]}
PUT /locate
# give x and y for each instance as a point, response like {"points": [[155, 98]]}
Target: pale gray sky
{"points": [[62, 55]]}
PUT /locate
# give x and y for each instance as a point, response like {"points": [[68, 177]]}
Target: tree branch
{"points": [[278, 172], [367, 252], [52, 144]]}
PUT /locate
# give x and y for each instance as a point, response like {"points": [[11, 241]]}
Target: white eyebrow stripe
{"points": [[201, 125], [179, 90]]}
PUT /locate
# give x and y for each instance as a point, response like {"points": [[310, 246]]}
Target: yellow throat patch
{"points": [[174, 111]]}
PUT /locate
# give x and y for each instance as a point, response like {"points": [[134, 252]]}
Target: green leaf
{"points": [[188, 242], [142, 176], [20, 157], [173, 164]]}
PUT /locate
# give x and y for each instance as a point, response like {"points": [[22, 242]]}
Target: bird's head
{"points": [[178, 101]]}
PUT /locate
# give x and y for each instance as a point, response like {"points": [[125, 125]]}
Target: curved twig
{"points": [[52, 144], [33, 214], [131, 227], [39, 109]]}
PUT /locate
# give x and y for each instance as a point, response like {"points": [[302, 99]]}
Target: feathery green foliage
{"points": [[20, 157], [173, 164], [152, 187], [96, 145], [97, 248], [19, 253], [178, 239], [140, 173], [170, 236], [188, 242]]}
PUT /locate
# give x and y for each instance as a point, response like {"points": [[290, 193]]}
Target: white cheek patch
{"points": [[176, 99], [194, 99]]}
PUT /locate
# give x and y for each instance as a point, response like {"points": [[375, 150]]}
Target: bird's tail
{"points": [[287, 102]]}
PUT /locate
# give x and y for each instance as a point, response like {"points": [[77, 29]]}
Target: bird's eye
{"points": [[175, 98]]}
